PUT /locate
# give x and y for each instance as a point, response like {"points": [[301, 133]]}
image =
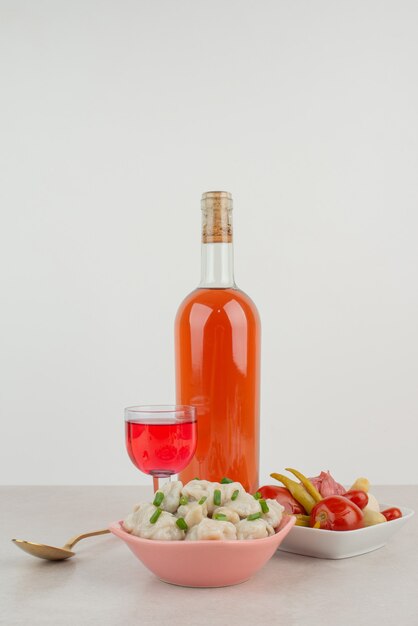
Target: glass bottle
{"points": [[217, 345]]}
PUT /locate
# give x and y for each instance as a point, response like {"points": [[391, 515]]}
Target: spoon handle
{"points": [[71, 542]]}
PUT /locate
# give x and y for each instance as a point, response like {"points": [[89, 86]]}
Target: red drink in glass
{"points": [[161, 440], [160, 449]]}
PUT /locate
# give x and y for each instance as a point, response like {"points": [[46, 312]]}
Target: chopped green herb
{"points": [[181, 523], [184, 500], [225, 480], [264, 506], [221, 517], [196, 478], [202, 500], [217, 497], [155, 516], [253, 516], [235, 494], [257, 495], [159, 497]]}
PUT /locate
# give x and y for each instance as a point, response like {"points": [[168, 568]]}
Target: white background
{"points": [[115, 117]]}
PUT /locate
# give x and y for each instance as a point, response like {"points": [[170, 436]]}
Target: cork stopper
{"points": [[217, 217]]}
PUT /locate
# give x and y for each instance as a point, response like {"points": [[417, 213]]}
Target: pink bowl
{"points": [[204, 563]]}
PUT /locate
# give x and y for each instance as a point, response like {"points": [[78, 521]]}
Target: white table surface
{"points": [[105, 584]]}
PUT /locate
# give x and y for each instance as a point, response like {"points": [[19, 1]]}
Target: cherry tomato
{"points": [[358, 497], [393, 513], [336, 513], [284, 497]]}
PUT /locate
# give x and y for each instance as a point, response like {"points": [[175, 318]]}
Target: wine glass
{"points": [[161, 440]]}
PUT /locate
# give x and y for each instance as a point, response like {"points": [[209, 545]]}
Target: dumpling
{"points": [[164, 529], [172, 493], [193, 513], [212, 505], [134, 519], [254, 529], [244, 505], [197, 489], [275, 514], [213, 530], [231, 516], [229, 489]]}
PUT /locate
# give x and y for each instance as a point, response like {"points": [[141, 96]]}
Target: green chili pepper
{"points": [[297, 490], [225, 480], [202, 500], [235, 494], [184, 500], [217, 497], [220, 516], [310, 488], [257, 495]]}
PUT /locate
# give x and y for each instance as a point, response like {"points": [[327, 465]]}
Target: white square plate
{"points": [[329, 544]]}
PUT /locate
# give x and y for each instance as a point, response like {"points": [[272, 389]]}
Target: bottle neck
{"points": [[217, 266]]}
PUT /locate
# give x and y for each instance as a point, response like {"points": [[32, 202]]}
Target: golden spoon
{"points": [[52, 553]]}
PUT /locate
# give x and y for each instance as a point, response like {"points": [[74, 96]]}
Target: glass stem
{"points": [[156, 481]]}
